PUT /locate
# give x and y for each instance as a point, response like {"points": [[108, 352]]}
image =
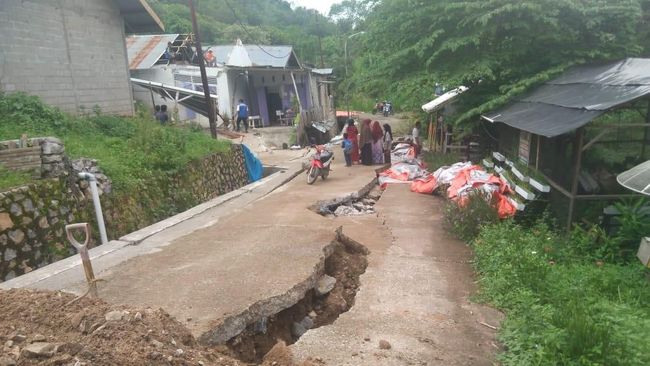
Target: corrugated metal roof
{"points": [[145, 51], [258, 55], [577, 97]]}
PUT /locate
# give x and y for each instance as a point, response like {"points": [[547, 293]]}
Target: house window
{"points": [[262, 79], [273, 78], [284, 77]]}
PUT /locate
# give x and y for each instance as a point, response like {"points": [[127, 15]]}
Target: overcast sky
{"points": [[321, 5]]}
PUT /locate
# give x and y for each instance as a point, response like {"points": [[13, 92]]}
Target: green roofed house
{"points": [[72, 53]]}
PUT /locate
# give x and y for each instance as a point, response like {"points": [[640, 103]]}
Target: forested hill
{"points": [[255, 21], [506, 44], [497, 47]]}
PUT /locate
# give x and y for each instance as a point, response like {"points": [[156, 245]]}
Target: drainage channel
{"points": [[333, 295]]}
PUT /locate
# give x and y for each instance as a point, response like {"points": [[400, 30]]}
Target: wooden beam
{"points": [[645, 131], [645, 125], [595, 139], [579, 141], [555, 185], [599, 197]]}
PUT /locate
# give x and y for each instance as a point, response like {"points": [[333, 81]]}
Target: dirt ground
{"points": [[82, 335]]}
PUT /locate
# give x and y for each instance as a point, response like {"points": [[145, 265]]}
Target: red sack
{"points": [[424, 185]]}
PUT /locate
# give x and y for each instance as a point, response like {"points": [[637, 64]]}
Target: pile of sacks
{"points": [[461, 179]]}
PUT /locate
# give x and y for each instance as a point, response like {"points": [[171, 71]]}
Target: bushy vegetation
{"points": [[507, 45], [576, 299], [562, 306], [465, 221], [130, 150]]}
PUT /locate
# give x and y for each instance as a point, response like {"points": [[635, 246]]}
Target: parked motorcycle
{"points": [[388, 109], [319, 164]]}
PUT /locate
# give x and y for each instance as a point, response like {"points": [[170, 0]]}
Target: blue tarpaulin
{"points": [[253, 165]]}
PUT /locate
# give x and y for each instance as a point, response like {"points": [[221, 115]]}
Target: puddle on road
{"points": [[317, 308]]}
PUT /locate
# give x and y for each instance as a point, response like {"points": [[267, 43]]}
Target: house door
{"points": [[275, 104]]}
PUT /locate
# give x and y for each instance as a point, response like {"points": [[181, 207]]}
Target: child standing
{"points": [[347, 149]]}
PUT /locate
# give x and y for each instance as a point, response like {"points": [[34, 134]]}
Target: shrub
{"points": [[562, 308], [465, 222], [130, 150]]}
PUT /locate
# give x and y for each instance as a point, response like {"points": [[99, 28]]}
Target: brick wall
{"points": [[71, 53], [43, 156]]}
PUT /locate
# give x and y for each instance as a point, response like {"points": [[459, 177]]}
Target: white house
{"points": [[269, 78]]}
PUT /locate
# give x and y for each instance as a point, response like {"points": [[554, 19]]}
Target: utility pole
{"points": [[320, 44], [204, 75], [345, 52]]}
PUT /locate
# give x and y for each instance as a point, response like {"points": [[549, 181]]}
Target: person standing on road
{"points": [[365, 142], [388, 142], [347, 149], [353, 135], [242, 115], [416, 138], [377, 143]]}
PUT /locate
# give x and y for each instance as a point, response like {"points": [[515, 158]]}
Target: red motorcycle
{"points": [[320, 164]]}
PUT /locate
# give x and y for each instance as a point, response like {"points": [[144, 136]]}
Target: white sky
{"points": [[322, 6]]}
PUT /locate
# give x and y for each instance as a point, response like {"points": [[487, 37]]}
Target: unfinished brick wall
{"points": [[43, 156], [71, 53]]}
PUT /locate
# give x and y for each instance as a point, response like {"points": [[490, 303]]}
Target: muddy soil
{"points": [[81, 334], [267, 339]]}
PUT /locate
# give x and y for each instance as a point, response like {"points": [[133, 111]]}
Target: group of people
{"points": [[160, 114], [371, 145], [186, 53]]}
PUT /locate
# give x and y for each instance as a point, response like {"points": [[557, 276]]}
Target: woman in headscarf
{"points": [[353, 135], [377, 143], [388, 142], [365, 142]]}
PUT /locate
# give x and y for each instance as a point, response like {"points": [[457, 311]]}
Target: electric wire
{"points": [[250, 35]]}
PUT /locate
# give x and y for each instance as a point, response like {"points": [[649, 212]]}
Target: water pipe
{"points": [[92, 180]]}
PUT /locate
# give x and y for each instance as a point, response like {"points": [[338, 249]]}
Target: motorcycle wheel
{"points": [[325, 174], [312, 175]]}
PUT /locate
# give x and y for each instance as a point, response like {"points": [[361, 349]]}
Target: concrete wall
{"points": [[71, 53]]}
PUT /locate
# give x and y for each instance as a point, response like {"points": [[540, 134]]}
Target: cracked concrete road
{"points": [[414, 294], [255, 261], [257, 254]]}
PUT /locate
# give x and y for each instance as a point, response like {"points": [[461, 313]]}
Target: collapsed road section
{"points": [[332, 294]]}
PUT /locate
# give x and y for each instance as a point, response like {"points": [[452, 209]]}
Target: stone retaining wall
{"points": [[33, 217], [44, 156]]}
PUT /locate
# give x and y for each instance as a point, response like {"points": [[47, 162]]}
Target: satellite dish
{"points": [[636, 179]]}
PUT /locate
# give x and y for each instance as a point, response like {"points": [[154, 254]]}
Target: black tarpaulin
{"points": [[576, 97]]}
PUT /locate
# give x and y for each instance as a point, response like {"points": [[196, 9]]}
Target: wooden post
{"points": [[537, 153], [204, 76], [579, 140], [431, 132], [645, 131]]}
